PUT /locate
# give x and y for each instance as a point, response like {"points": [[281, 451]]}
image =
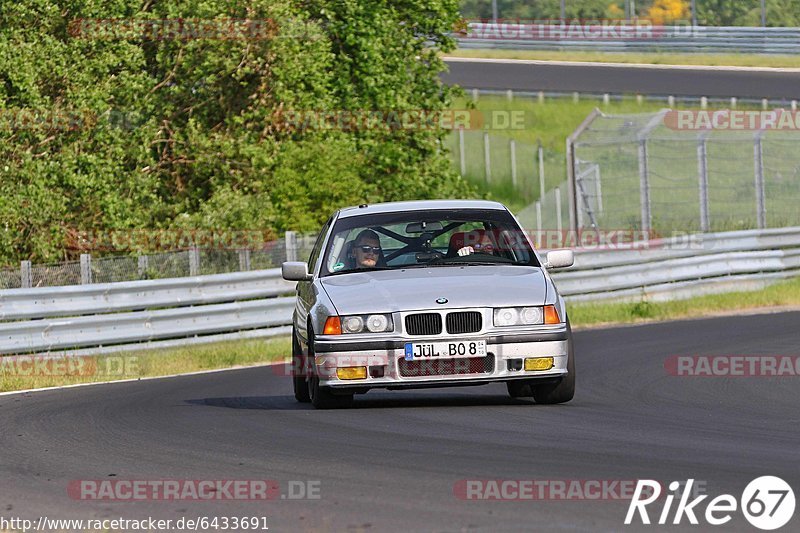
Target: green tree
{"points": [[183, 132]]}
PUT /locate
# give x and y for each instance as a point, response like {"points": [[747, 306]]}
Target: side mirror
{"points": [[559, 259], [295, 271]]}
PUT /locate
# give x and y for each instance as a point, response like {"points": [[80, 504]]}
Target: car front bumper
{"points": [[387, 367]]}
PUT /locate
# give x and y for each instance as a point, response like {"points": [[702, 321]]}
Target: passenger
{"points": [[484, 245]]}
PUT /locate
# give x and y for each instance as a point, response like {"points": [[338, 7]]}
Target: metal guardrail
{"points": [[16, 304], [182, 311], [586, 35]]}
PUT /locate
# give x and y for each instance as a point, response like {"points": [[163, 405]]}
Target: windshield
{"points": [[416, 239]]}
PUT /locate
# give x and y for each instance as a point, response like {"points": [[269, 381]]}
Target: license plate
{"points": [[423, 350]]}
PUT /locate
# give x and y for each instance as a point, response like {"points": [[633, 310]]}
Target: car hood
{"points": [[419, 288]]}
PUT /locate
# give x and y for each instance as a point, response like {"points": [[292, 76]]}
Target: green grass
{"points": [[783, 294], [734, 60], [133, 365]]}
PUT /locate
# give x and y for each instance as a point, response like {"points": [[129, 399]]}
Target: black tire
{"points": [[322, 397], [563, 390], [519, 388], [299, 370]]}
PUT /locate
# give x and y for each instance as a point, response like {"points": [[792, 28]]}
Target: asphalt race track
{"points": [[693, 81], [392, 462]]}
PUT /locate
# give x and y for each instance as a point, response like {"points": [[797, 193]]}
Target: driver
{"points": [[366, 249]]}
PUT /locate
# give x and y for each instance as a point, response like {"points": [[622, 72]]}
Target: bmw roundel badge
{"points": [[441, 300]]}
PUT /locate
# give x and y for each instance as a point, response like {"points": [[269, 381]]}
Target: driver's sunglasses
{"points": [[488, 246], [370, 249]]}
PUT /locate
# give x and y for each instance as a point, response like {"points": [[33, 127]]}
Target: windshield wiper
{"points": [[355, 270]]}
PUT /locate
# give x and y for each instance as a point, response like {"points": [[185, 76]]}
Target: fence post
{"points": [[142, 264], [599, 188], [244, 260], [644, 168], [558, 210], [25, 277], [644, 186], [758, 159], [475, 95], [462, 157], [487, 161], [572, 188], [86, 269], [540, 156], [510, 95], [539, 224], [702, 175], [291, 245], [513, 149], [194, 261]]}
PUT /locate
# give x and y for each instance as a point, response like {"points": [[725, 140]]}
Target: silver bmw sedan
{"points": [[423, 294]]}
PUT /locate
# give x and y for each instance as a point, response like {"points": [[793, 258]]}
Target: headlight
{"points": [[525, 316], [377, 323], [353, 324], [367, 323]]}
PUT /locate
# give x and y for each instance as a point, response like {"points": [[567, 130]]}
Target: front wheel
{"points": [[322, 397], [564, 390], [299, 371]]}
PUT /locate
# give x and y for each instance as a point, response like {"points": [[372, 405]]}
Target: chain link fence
{"points": [[169, 264], [515, 172], [651, 172]]}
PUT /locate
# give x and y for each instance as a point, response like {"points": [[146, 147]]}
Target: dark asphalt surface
{"points": [[628, 80], [391, 463]]}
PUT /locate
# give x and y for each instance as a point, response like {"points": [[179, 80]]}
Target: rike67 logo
{"points": [[767, 503]]}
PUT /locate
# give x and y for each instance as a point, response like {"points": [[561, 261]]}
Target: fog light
{"points": [[352, 372], [539, 363]]}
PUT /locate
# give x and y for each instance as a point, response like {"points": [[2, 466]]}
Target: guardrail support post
{"points": [[244, 260], [758, 159], [512, 146], [487, 160], [462, 157], [86, 269], [25, 278], [194, 261], [142, 264], [291, 245]]}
